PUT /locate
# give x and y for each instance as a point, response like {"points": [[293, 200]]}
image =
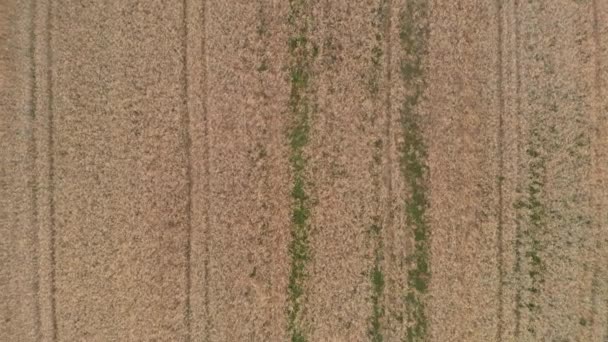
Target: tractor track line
{"points": [[598, 179], [187, 142], [388, 179], [388, 170], [51, 161], [500, 138], [519, 150], [33, 154], [207, 162]]}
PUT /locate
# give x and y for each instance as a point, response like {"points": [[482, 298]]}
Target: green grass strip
{"points": [[413, 38], [302, 52]]}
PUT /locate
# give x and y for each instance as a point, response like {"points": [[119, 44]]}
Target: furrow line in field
{"points": [[51, 163], [517, 266], [187, 143], [33, 157], [599, 199], [598, 49], [261, 31], [596, 187], [414, 33], [387, 219], [500, 138], [206, 171], [388, 177]]}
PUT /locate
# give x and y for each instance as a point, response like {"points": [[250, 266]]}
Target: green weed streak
{"points": [[302, 52], [377, 53], [376, 274], [536, 214], [413, 38], [533, 212], [377, 279], [530, 208], [531, 216], [517, 267]]}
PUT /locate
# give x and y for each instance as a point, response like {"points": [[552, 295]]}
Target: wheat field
{"points": [[304, 170]]}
